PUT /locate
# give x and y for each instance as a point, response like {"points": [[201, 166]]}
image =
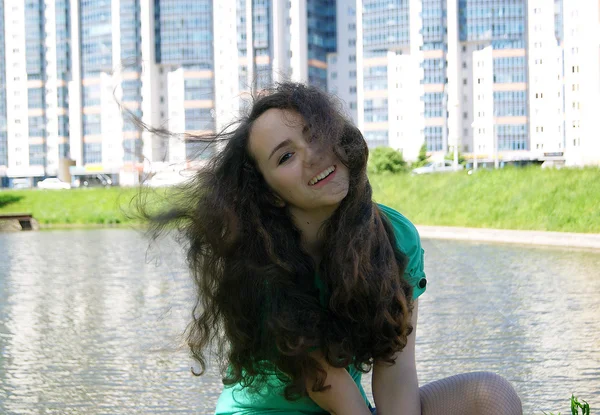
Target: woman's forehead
{"points": [[273, 126], [278, 118]]}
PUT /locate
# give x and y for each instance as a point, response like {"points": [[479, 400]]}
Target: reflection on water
{"points": [[91, 323]]}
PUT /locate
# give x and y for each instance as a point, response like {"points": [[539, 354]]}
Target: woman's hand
{"points": [[396, 387], [343, 396]]}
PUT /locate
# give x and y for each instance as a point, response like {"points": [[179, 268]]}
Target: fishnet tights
{"points": [[477, 393]]}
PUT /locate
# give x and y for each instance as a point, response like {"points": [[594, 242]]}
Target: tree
{"points": [[386, 159], [450, 156], [422, 159], [423, 153]]}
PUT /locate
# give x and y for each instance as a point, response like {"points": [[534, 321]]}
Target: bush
{"points": [[384, 159], [423, 158]]}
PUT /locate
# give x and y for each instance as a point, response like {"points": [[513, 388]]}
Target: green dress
{"points": [[234, 400]]}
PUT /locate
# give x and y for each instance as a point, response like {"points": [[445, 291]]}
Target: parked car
{"points": [[167, 179], [97, 180], [437, 167], [21, 184], [53, 183]]}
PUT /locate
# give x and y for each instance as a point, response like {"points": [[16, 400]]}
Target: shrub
{"points": [[423, 158], [461, 157], [576, 406], [384, 159]]}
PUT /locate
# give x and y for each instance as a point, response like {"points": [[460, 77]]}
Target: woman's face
{"points": [[305, 175]]}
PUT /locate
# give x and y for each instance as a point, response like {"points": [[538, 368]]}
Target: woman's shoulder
{"points": [[409, 242], [406, 233]]}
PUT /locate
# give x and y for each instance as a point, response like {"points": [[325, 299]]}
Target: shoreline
{"points": [[508, 236], [455, 233], [58, 226]]}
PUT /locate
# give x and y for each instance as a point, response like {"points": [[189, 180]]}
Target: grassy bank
{"points": [[96, 206], [566, 200], [552, 200]]}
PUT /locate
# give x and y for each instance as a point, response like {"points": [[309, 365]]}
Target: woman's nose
{"points": [[314, 152]]}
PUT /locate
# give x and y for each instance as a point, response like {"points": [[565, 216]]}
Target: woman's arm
{"points": [[396, 387], [343, 397]]}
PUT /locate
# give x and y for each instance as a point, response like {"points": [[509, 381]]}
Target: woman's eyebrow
{"points": [[284, 143]]}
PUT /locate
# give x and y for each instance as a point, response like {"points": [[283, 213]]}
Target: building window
{"points": [[353, 90]]}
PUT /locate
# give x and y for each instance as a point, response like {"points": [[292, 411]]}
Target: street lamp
{"points": [[456, 138], [496, 161], [474, 126]]}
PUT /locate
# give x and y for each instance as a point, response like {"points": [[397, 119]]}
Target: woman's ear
{"points": [[279, 202]]}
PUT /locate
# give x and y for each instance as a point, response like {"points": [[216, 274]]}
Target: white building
{"points": [[581, 51], [545, 65], [484, 139], [408, 73], [345, 66]]}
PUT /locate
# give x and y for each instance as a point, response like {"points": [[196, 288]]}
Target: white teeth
{"points": [[322, 175]]}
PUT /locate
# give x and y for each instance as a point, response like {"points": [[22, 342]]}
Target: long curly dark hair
{"points": [[257, 304]]}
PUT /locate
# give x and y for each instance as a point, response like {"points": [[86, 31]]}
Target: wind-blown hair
{"points": [[257, 304]]}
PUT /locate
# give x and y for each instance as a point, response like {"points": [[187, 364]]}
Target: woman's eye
{"points": [[285, 157]]}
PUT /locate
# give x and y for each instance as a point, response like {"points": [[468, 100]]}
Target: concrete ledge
{"points": [[562, 239], [15, 225]]}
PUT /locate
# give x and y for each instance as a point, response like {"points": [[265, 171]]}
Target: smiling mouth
{"points": [[321, 176]]}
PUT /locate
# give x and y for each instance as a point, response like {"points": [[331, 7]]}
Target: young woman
{"points": [[303, 282]]}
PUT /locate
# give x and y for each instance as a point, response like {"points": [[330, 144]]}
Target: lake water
{"points": [[91, 322]]}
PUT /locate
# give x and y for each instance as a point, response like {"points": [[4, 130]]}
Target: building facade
{"points": [[95, 71], [498, 80], [3, 103]]}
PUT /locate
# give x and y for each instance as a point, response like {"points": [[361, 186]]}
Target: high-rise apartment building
{"points": [[377, 70], [497, 79], [88, 66], [581, 69], [493, 77], [3, 119]]}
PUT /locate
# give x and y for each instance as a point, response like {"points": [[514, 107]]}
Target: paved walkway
{"points": [[563, 239]]}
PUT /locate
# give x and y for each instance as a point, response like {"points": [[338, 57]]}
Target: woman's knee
{"points": [[494, 394], [470, 393]]}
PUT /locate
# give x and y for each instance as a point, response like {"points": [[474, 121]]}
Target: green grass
{"points": [[566, 200], [70, 207]]}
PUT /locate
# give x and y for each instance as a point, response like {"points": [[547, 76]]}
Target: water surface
{"points": [[91, 323]]}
